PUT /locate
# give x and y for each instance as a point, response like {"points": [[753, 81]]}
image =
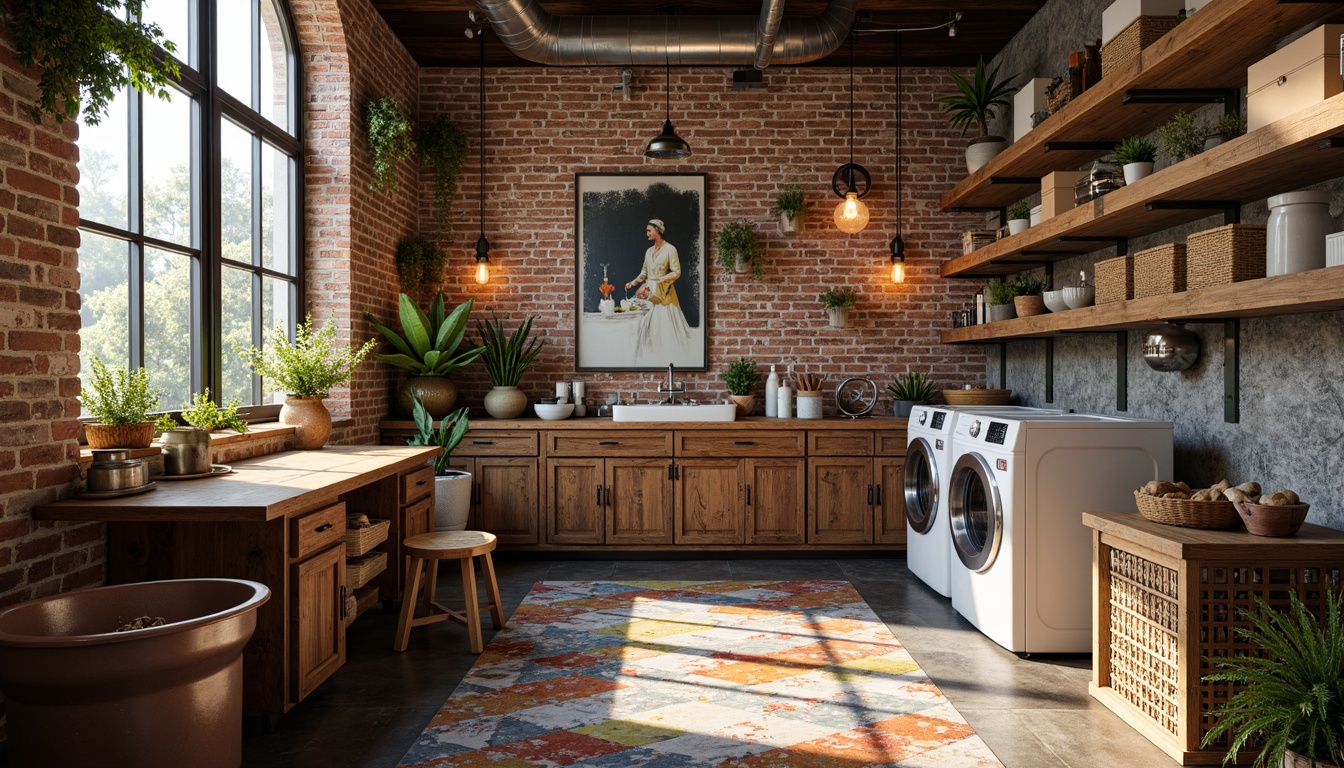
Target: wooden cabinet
{"points": [[505, 483], [317, 647], [889, 502], [639, 501], [576, 507], [776, 497], [757, 498], [856, 499], [710, 501], [596, 494]]}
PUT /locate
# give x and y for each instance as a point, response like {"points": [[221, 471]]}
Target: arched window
{"points": [[189, 208]]}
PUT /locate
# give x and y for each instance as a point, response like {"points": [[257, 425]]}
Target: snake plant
{"points": [[427, 344]]}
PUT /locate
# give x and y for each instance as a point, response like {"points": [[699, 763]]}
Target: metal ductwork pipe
{"points": [[739, 41]]}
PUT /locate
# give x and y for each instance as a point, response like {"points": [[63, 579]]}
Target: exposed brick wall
{"points": [[543, 126]]}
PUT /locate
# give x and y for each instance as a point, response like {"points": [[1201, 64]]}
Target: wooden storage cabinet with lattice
{"points": [[1166, 598]]}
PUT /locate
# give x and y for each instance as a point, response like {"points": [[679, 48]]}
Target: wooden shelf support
{"points": [[1232, 371], [1122, 371]]}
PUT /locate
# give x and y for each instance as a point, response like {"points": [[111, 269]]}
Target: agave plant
{"points": [[506, 357], [914, 387], [978, 100], [427, 344]]}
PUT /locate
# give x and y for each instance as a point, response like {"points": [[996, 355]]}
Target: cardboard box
{"points": [[1297, 76], [1026, 102], [1057, 192], [1122, 13]]}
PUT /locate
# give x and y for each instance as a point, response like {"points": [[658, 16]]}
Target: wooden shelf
{"points": [[1280, 157], [1320, 290], [1210, 50]]}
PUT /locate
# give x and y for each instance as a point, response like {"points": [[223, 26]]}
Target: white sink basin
{"points": [[709, 412]]}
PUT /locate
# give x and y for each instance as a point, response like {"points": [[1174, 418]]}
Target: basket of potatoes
{"points": [[1179, 504], [1272, 514]]}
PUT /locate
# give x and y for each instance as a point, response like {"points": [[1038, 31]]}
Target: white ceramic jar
{"points": [[1296, 231]]}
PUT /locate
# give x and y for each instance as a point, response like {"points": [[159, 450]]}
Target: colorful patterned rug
{"points": [[729, 674]]}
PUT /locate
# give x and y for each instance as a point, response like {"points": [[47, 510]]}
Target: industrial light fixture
{"points": [[951, 25], [851, 215], [898, 243], [482, 245], [668, 145]]}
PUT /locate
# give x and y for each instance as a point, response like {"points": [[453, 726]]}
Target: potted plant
{"points": [[1225, 128], [737, 248], [186, 450], [1182, 136], [443, 148], [120, 399], [1001, 297], [978, 102], [307, 369], [1135, 156], [1019, 217], [909, 391], [837, 302], [742, 379], [419, 262], [789, 207], [427, 347], [1028, 300], [506, 357], [390, 141], [1291, 693], [452, 487]]}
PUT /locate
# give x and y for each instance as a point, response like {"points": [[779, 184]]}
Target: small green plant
{"points": [[1019, 210], [1134, 150], [789, 202], [1228, 127], [1292, 691], [1182, 136], [1030, 285], [1002, 293], [427, 344], [741, 377], [310, 365], [979, 100], [419, 262], [914, 387], [117, 395], [446, 437], [443, 147], [390, 141], [838, 298], [738, 240], [204, 414], [506, 357]]}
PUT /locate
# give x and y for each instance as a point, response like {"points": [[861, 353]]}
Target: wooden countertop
{"points": [[605, 423], [259, 489], [1196, 544]]}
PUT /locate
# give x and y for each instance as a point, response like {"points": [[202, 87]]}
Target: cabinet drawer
{"points": [[498, 444], [840, 443], [620, 444], [891, 443], [316, 531], [416, 485], [740, 443]]}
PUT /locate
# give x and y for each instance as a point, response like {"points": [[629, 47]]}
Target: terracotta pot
{"points": [[436, 393], [839, 317], [311, 421], [1292, 759], [452, 500], [505, 402], [119, 435], [1026, 306], [745, 404]]}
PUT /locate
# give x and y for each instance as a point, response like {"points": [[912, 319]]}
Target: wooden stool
{"points": [[448, 545]]}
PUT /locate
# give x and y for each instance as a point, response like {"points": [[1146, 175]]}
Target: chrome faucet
{"points": [[671, 388]]}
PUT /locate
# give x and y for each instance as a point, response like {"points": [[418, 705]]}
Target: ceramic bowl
{"points": [[554, 411], [1077, 298], [1054, 300], [1272, 520]]}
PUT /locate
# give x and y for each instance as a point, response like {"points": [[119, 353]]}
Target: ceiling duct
{"points": [[739, 41]]}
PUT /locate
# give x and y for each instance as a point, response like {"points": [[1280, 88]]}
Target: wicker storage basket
{"points": [[1141, 33], [1159, 271], [361, 540], [977, 396], [1187, 514], [360, 570], [1227, 254], [1114, 279], [1056, 99]]}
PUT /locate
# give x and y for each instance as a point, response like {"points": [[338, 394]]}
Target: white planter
{"points": [[790, 224], [981, 152], [1018, 226], [1136, 171], [452, 500], [839, 317]]}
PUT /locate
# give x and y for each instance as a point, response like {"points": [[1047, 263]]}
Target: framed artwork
{"points": [[640, 241]]}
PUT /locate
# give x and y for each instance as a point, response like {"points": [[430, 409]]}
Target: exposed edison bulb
{"points": [[898, 272], [482, 272], [851, 215]]}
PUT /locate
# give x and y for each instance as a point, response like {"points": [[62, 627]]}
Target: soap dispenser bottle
{"points": [[772, 393]]}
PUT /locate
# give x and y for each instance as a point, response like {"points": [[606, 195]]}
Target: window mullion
{"points": [[135, 202], [212, 339]]}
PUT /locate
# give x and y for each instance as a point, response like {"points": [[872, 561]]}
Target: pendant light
{"points": [[897, 242], [851, 215], [482, 245], [667, 145]]}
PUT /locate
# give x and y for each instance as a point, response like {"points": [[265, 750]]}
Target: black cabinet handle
{"points": [[421, 482], [870, 494], [323, 527], [608, 495], [879, 493], [744, 442], [482, 442], [343, 593], [748, 494], [599, 495], [608, 442]]}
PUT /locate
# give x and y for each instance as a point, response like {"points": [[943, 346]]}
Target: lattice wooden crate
{"points": [[1168, 600], [1159, 271], [1141, 33], [1114, 279]]}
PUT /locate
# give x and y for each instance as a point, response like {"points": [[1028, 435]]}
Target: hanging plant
{"points": [[390, 141], [443, 147], [419, 262], [737, 241], [88, 53]]}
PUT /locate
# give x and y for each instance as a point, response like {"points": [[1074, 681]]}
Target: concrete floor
{"points": [[1033, 713]]}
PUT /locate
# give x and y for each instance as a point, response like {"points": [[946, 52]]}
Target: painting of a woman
{"points": [[662, 329]]}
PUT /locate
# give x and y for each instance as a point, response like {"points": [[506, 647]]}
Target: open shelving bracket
{"points": [[1231, 208], [1079, 146], [1232, 371], [1049, 369], [1230, 98], [1122, 371], [1334, 142]]}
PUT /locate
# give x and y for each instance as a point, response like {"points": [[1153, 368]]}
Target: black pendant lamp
{"points": [[897, 242], [851, 215], [482, 245], [668, 145]]}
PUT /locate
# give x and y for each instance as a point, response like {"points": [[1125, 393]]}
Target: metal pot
{"points": [[112, 470], [186, 451], [1170, 348]]}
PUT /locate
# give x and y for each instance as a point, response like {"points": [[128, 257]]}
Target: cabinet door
{"points": [[575, 505], [317, 633], [506, 498], [640, 495], [709, 501], [776, 501], [840, 500], [889, 505]]}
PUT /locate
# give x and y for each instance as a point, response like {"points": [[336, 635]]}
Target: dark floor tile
{"points": [[787, 570], [668, 570], [581, 570]]}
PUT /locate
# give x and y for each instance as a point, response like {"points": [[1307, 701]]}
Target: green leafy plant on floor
{"points": [[390, 141], [1019, 210], [914, 387], [427, 344], [838, 298], [741, 377], [738, 240], [118, 395], [309, 366], [419, 262], [1182, 136], [450, 432], [1135, 149], [443, 148], [1002, 293], [507, 356]]}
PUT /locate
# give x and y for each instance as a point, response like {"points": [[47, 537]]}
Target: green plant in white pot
{"points": [[121, 400], [738, 249], [1019, 217], [789, 207], [837, 302], [1135, 156], [452, 487], [978, 101], [506, 357], [908, 391], [428, 347]]}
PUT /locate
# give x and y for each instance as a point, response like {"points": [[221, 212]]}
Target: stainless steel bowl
{"points": [[107, 473], [1170, 348]]}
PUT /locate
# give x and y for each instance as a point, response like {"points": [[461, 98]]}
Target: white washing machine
{"points": [[1022, 559], [928, 466]]}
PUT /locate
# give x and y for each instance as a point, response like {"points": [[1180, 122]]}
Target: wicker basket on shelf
{"points": [[1159, 271], [1114, 279], [1210, 515], [1141, 33], [1056, 99], [1228, 254], [361, 540], [977, 396], [360, 570]]}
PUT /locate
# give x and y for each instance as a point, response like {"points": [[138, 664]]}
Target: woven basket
{"points": [[1056, 99], [359, 571], [1141, 33], [977, 396], [1187, 514], [1114, 279], [361, 540], [1228, 254], [1159, 271]]}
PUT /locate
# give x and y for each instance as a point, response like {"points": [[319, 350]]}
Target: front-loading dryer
{"points": [[1022, 558]]}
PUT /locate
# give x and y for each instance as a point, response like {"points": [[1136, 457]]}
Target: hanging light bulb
{"points": [[897, 259], [482, 244], [897, 244], [851, 215], [482, 260]]}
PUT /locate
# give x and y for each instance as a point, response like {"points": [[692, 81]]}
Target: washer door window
{"points": [[975, 513], [921, 486]]}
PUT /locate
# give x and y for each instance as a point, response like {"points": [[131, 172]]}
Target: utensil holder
{"points": [[809, 405]]}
